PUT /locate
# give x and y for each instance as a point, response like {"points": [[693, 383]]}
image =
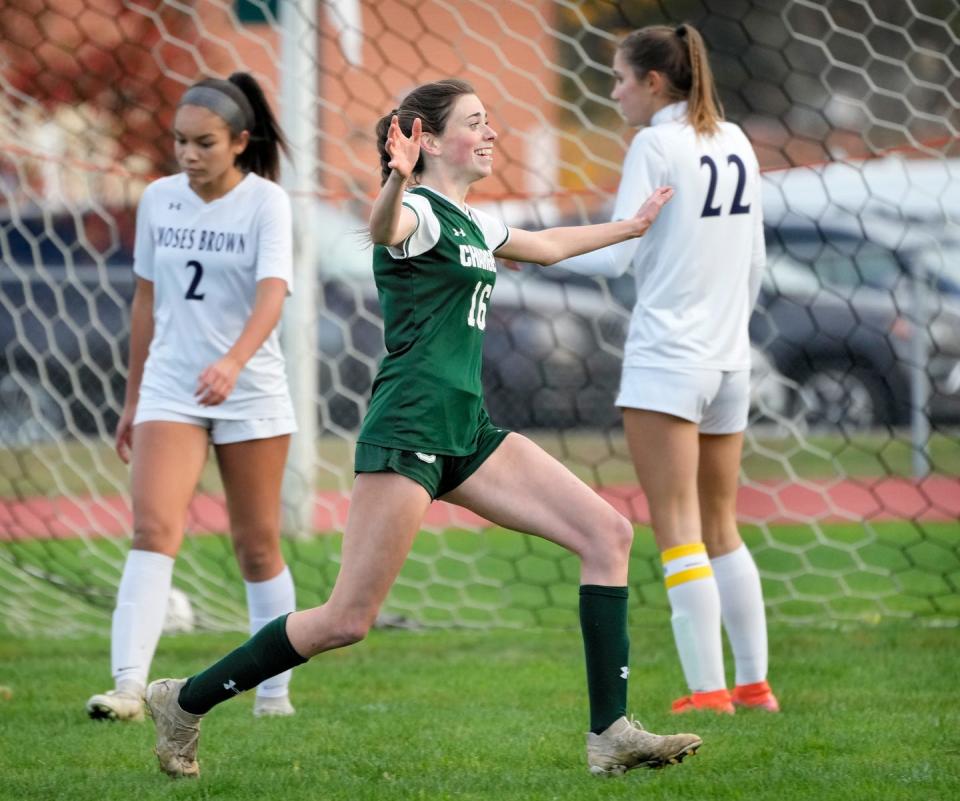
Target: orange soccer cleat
{"points": [[717, 701], [756, 696]]}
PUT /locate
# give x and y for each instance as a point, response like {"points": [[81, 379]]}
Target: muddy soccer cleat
{"points": [[626, 745], [756, 696], [178, 732], [116, 705], [717, 701]]}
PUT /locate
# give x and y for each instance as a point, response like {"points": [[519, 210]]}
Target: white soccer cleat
{"points": [[178, 732], [625, 745], [116, 705], [276, 707]]}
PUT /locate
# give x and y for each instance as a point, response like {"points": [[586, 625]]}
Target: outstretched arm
{"points": [[390, 222], [610, 262], [645, 167], [141, 334], [555, 244]]}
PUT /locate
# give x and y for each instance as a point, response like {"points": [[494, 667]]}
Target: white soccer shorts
{"points": [[222, 432], [717, 400]]}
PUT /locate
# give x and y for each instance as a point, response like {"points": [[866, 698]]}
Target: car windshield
{"points": [[838, 259], [834, 260], [788, 275]]}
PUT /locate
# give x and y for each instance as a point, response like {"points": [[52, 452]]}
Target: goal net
{"points": [[851, 473]]}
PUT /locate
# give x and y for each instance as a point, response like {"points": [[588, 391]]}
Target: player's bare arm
{"points": [[390, 222], [555, 244], [141, 333]]}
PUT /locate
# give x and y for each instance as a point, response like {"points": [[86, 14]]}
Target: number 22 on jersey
{"points": [[737, 206]]}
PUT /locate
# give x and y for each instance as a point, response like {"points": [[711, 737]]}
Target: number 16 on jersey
{"points": [[477, 317]]}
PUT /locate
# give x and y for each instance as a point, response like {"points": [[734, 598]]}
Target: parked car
{"points": [[853, 323], [551, 353], [834, 327], [553, 342], [835, 331], [63, 327], [861, 296]]}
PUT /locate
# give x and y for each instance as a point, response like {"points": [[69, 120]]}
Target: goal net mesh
{"points": [[851, 472]]}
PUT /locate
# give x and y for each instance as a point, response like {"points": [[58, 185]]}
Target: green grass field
{"points": [[867, 714], [870, 711]]}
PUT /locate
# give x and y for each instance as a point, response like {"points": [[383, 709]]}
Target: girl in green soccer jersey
{"points": [[427, 435]]}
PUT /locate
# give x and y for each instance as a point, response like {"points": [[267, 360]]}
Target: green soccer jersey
{"points": [[434, 289]]}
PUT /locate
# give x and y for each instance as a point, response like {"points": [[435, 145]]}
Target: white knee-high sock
{"points": [[744, 616], [695, 602], [138, 617], [266, 601]]}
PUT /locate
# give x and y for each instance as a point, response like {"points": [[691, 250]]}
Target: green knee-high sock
{"points": [[265, 654], [603, 620]]}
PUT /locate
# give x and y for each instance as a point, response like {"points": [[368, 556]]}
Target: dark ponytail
{"points": [[262, 155], [432, 103]]}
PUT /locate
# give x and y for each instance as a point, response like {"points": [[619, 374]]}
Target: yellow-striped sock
{"points": [[684, 563], [695, 605]]}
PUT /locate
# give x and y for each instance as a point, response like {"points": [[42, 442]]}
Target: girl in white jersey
{"points": [[213, 260], [686, 372]]}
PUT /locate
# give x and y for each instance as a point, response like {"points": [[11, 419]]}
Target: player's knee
{"points": [[153, 533], [259, 562], [615, 531], [721, 540], [610, 539], [720, 533], [620, 535]]}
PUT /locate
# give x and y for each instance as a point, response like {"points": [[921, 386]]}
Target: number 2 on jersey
{"points": [[477, 318], [737, 207], [192, 293]]}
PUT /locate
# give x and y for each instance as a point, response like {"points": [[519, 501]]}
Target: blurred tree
{"points": [[130, 61]]}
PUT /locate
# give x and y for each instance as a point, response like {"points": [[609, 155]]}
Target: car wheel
{"points": [[849, 399], [29, 413]]}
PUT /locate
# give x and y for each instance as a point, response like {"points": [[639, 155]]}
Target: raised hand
{"points": [[651, 208], [404, 151]]}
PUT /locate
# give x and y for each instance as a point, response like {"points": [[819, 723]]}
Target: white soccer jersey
{"points": [[699, 266], [205, 260]]}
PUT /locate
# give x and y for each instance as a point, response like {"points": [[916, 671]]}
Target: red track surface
{"points": [[934, 498]]}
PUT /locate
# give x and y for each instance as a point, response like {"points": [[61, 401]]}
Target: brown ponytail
{"points": [[680, 55]]}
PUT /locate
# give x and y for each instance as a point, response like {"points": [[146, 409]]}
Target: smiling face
{"points": [[466, 144], [639, 98], [205, 148]]}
